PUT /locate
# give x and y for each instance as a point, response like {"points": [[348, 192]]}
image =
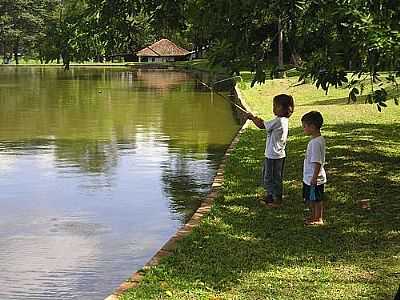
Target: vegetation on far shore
{"points": [[242, 250], [196, 64]]}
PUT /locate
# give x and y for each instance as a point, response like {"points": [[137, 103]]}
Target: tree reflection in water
{"points": [[187, 180]]}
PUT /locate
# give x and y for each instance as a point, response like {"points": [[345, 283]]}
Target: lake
{"points": [[98, 168]]}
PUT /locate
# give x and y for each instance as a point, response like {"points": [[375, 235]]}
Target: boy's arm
{"points": [[317, 168], [317, 160], [256, 120]]}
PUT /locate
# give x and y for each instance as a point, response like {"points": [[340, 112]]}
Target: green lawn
{"points": [[242, 250]]}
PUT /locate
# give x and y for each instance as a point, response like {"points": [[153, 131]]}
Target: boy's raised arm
{"points": [[256, 120]]}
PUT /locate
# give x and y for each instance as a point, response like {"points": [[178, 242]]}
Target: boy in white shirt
{"points": [[277, 132], [314, 176]]}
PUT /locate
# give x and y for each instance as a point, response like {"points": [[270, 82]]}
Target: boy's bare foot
{"points": [[273, 205], [266, 200], [269, 204], [313, 222]]}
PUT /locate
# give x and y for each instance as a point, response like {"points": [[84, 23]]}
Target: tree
{"points": [[122, 27], [47, 42], [70, 34], [246, 34], [21, 25]]}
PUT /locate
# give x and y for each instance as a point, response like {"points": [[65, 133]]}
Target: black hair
{"points": [[313, 118], [286, 102]]}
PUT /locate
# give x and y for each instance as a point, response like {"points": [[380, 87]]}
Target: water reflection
{"points": [[162, 79], [98, 167]]}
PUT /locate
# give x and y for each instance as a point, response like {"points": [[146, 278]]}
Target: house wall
{"points": [[164, 59], [159, 59]]}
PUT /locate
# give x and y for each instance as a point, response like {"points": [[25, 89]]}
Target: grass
{"points": [[242, 250]]}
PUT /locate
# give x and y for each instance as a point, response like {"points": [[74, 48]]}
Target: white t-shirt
{"points": [[277, 132], [315, 154]]}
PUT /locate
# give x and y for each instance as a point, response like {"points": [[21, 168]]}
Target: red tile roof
{"points": [[163, 47]]}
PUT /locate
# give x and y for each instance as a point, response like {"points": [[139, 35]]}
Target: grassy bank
{"points": [[242, 250]]}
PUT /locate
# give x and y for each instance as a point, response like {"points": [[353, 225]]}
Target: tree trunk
{"points": [[65, 58], [4, 53], [16, 53], [296, 58], [280, 45], [397, 297]]}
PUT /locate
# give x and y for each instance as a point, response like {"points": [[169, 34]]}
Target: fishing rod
{"points": [[222, 95], [227, 79]]}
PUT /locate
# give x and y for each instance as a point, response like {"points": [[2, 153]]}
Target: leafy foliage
{"points": [[21, 25], [358, 36]]}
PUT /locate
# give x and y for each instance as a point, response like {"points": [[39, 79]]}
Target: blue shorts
{"points": [[313, 193]]}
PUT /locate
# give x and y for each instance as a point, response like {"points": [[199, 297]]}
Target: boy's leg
{"points": [[268, 179], [278, 166], [306, 200], [317, 207], [318, 212], [313, 212], [310, 202], [320, 207]]}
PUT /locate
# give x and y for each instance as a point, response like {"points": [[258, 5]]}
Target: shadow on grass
{"points": [[361, 99], [252, 252], [336, 101]]}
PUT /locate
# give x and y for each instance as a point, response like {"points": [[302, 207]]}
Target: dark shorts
{"points": [[313, 193]]}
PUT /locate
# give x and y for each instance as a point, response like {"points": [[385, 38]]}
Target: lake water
{"points": [[98, 168]]}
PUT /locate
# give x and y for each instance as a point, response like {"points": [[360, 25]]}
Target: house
{"points": [[163, 51]]}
